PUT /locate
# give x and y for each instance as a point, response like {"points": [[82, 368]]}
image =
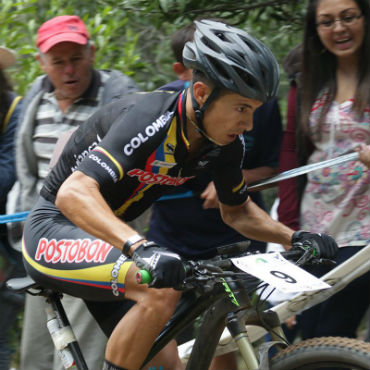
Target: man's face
{"points": [[229, 116], [69, 68]]}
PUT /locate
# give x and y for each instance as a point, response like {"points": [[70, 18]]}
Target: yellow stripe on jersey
{"points": [[119, 167], [121, 210], [171, 141], [237, 188]]}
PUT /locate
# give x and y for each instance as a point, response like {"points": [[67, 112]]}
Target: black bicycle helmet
{"points": [[233, 59]]}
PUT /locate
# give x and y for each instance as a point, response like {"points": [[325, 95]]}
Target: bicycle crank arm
{"points": [[274, 180]]}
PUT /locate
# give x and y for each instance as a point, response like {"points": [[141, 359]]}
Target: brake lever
{"points": [[306, 258], [324, 261]]}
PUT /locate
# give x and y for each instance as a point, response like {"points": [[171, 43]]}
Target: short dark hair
{"points": [[185, 34], [180, 38]]}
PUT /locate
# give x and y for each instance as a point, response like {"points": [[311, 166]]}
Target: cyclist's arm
{"points": [[259, 173], [210, 194], [80, 200], [252, 222]]}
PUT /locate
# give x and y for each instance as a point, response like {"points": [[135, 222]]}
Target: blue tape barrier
{"points": [[187, 194], [16, 217]]}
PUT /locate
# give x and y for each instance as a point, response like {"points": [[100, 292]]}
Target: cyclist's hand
{"points": [[166, 267], [325, 245]]}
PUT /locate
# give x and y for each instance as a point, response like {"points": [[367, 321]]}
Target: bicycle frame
{"points": [[221, 309]]}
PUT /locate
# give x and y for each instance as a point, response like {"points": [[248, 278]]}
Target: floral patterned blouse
{"points": [[337, 198]]}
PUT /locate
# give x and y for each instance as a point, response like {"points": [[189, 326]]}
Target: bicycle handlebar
{"points": [[301, 257]]}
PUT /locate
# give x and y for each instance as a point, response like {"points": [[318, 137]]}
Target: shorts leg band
{"points": [[109, 366]]}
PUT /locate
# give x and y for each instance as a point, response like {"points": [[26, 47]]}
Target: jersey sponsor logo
{"points": [[115, 273], [72, 250], [149, 131], [104, 165], [157, 178], [163, 164], [79, 157]]}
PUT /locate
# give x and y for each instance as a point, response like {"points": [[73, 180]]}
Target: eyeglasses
{"points": [[345, 21]]}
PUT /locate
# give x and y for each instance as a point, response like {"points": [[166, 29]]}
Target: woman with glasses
{"points": [[333, 119]]}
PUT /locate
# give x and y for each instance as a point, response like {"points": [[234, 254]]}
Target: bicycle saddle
{"points": [[21, 284]]}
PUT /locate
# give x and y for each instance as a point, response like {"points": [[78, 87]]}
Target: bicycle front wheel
{"points": [[324, 353]]}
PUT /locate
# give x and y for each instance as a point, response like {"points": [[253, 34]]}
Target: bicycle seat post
{"points": [[57, 321], [61, 332]]}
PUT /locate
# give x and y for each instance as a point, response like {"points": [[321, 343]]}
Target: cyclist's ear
{"points": [[201, 92]]}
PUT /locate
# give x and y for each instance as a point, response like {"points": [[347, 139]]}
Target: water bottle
{"points": [[61, 336]]}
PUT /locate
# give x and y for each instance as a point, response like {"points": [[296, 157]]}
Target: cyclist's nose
{"points": [[247, 124]]}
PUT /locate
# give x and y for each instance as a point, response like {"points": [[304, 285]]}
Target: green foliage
{"points": [[134, 35]]}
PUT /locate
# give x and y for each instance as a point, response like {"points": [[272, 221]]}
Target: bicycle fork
{"points": [[236, 326]]}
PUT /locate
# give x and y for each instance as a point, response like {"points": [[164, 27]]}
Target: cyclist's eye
{"points": [[242, 109]]}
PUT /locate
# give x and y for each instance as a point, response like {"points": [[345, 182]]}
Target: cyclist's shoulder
{"points": [[145, 107]]}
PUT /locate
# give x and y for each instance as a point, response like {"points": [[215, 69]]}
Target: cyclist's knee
{"points": [[161, 300]]}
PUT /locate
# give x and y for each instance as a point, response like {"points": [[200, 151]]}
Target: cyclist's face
{"points": [[69, 68], [229, 116], [340, 26]]}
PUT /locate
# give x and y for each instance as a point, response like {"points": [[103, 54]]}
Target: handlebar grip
{"points": [[143, 277]]}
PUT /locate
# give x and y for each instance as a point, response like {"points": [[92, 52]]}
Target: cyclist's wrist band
{"points": [[130, 242]]}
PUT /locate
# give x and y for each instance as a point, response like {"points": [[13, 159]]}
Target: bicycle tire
{"points": [[324, 353]]}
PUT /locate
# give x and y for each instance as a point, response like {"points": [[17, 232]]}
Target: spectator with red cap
{"points": [[64, 97]]}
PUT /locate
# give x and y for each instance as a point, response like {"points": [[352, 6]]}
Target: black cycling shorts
{"points": [[59, 255]]}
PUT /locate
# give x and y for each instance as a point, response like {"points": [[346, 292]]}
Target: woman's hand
{"points": [[364, 154]]}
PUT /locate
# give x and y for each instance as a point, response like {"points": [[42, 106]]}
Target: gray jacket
{"points": [[26, 190]]}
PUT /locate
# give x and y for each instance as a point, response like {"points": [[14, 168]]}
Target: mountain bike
{"points": [[221, 295], [338, 278], [223, 292]]}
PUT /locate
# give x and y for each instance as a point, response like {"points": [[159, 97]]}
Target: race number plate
{"points": [[275, 270]]}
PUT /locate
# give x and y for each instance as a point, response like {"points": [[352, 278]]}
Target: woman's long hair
{"points": [[319, 71], [5, 88]]}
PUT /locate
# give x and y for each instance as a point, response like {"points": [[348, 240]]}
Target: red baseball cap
{"points": [[61, 29]]}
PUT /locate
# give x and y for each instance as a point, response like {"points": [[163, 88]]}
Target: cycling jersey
{"points": [[136, 149]]}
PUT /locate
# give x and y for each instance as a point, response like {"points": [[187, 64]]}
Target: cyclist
{"points": [[126, 156]]}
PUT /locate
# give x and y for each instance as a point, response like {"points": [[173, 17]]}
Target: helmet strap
{"points": [[199, 111]]}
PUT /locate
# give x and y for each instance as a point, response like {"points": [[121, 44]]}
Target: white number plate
{"points": [[275, 270]]}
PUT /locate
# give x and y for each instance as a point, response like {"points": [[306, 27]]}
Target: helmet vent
{"points": [[221, 36], [233, 59], [219, 69]]}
